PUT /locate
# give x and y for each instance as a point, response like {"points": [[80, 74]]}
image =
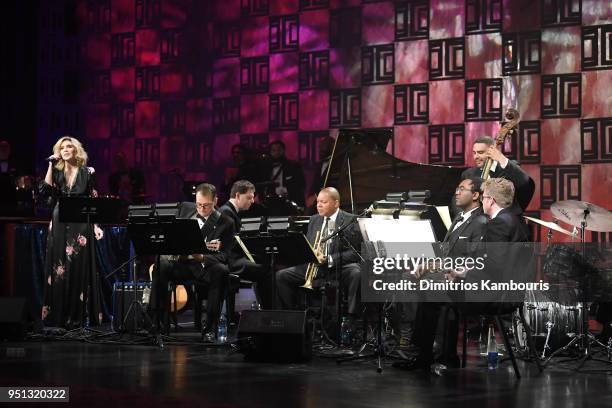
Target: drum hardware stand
{"points": [[585, 339], [549, 327]]}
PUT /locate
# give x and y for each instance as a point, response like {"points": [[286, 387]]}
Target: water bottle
{"points": [[492, 355], [222, 330], [345, 333]]}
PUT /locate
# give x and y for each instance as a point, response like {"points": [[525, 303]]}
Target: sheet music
{"points": [[445, 215], [395, 234], [244, 248]]}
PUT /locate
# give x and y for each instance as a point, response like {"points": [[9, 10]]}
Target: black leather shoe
{"points": [[209, 336], [451, 362]]}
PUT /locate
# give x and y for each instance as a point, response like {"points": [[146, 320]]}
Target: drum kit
{"points": [[560, 322]]}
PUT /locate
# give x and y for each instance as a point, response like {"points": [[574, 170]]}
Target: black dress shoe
{"points": [[209, 336]]}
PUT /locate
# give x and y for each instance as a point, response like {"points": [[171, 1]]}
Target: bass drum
{"points": [[559, 322]]}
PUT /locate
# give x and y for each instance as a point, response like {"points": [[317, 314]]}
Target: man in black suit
{"points": [[287, 175], [484, 148], [339, 253], [242, 196], [467, 228], [208, 267]]}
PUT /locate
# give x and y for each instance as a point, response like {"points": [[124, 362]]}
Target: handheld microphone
{"points": [[51, 159]]}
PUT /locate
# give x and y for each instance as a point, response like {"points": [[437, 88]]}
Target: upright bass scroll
{"points": [[512, 117]]}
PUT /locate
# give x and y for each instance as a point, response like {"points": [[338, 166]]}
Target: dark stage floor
{"points": [[190, 374]]}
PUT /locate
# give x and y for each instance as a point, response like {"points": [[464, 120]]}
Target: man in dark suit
{"points": [[287, 175], [467, 228], [484, 148], [208, 267], [242, 196], [338, 254]]}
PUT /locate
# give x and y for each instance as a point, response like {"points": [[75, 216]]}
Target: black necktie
{"points": [[204, 223]]}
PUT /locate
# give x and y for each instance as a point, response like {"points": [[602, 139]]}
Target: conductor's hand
{"points": [[214, 245]]}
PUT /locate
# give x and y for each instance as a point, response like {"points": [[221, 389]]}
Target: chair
{"points": [[497, 311]]}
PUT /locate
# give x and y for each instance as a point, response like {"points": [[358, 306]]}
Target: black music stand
{"points": [[292, 248], [88, 210], [160, 233]]}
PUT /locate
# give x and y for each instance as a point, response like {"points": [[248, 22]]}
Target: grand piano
{"points": [[363, 171]]}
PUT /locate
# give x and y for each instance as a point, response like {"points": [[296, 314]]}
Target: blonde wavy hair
{"points": [[80, 153]]}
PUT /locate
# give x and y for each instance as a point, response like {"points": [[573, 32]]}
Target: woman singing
{"points": [[71, 290]]}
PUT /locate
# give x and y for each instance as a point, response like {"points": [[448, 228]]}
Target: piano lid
{"points": [[376, 173]]}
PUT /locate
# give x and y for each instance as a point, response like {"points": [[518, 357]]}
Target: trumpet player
{"points": [[336, 254]]}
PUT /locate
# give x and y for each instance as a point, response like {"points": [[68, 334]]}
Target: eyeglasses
{"points": [[487, 196], [462, 189], [203, 206]]}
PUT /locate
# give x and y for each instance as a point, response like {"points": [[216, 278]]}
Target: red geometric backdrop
{"points": [[175, 83]]}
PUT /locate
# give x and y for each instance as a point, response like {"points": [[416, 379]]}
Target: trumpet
{"points": [[311, 271]]}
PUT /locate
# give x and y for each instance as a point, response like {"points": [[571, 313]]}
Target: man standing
{"points": [[242, 196], [208, 267], [339, 253], [484, 148]]}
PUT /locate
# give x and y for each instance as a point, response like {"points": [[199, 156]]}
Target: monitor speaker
{"points": [[13, 318], [275, 335]]}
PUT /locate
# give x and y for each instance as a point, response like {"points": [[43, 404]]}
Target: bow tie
{"points": [[202, 218]]}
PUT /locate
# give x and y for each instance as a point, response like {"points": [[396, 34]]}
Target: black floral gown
{"points": [[72, 287]]}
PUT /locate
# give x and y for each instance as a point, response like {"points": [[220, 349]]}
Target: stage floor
{"points": [[190, 374]]}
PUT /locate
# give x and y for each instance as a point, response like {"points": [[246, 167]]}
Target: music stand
{"points": [[292, 248], [159, 232], [88, 210]]}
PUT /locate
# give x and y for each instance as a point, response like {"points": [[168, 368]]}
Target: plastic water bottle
{"points": [[345, 333], [222, 329], [492, 355]]}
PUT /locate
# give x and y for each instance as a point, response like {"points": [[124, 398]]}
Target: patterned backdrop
{"points": [[175, 83]]}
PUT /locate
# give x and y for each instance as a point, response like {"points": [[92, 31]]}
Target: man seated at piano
{"points": [[208, 268], [242, 196], [484, 148], [333, 254]]}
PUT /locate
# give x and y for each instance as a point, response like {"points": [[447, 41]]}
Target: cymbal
{"points": [[550, 225], [573, 212]]}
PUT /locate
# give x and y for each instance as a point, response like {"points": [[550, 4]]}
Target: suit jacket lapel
{"points": [[454, 235]]}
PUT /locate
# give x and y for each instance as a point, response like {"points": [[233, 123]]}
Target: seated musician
{"points": [[469, 226], [502, 226], [339, 253], [242, 196], [208, 267], [484, 148]]}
